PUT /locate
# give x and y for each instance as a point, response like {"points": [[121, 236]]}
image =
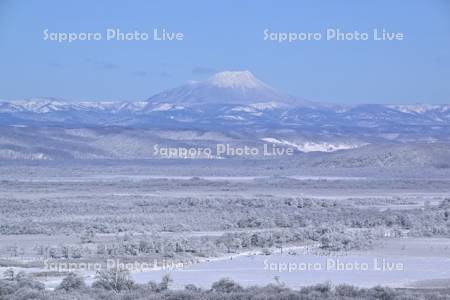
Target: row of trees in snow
{"points": [[116, 284], [184, 247], [336, 225], [214, 214]]}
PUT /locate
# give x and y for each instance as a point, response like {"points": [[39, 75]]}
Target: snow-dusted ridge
{"points": [[42, 106], [420, 108]]}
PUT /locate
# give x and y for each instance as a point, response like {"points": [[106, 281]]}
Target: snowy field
{"points": [[232, 222], [399, 263]]}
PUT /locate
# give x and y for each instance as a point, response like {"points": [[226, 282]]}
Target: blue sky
{"points": [[227, 35]]}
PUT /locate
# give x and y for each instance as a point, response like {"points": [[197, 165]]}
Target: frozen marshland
{"points": [[201, 221]]}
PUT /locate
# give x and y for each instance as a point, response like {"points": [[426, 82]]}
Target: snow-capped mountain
{"points": [[229, 87]]}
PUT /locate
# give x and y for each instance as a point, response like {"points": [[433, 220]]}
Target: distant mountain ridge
{"points": [[226, 88], [45, 105], [230, 106]]}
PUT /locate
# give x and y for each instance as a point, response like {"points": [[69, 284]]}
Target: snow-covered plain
{"points": [[188, 202], [417, 263]]}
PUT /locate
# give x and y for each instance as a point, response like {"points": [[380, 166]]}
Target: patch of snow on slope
{"points": [[243, 109], [311, 146], [237, 118], [265, 106], [255, 109], [11, 154], [167, 106]]}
